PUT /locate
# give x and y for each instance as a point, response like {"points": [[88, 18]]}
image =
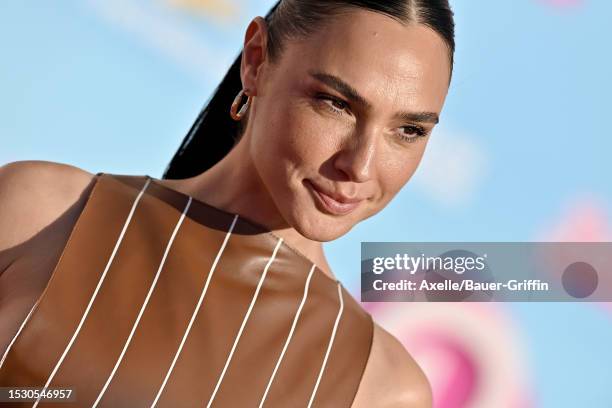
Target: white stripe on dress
{"points": [[93, 297], [331, 340], [295, 320], [246, 317], [18, 332], [23, 324], [144, 305], [195, 312]]}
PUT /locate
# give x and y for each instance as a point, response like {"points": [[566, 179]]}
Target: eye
{"points": [[333, 104], [412, 133]]}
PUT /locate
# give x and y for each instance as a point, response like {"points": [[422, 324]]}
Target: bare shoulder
{"points": [[392, 378], [33, 194]]}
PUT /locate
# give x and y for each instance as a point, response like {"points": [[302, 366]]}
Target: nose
{"points": [[356, 159]]}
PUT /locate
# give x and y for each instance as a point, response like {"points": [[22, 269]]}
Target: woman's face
{"points": [[345, 113]]}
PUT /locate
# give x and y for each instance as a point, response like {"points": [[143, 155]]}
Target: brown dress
{"points": [[159, 299]]}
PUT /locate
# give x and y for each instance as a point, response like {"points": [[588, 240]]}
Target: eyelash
{"points": [[420, 131]]}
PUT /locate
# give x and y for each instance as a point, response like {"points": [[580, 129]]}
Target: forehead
{"points": [[386, 61]]}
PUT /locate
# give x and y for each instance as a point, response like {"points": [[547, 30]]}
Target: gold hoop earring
{"points": [[234, 112]]}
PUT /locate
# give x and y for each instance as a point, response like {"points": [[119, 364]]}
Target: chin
{"points": [[318, 227], [319, 235]]}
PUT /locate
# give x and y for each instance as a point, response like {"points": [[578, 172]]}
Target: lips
{"points": [[333, 203]]}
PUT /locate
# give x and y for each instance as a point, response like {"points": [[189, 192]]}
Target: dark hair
{"points": [[215, 133]]}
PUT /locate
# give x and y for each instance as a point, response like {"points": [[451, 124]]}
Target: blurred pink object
{"points": [[472, 353], [583, 220], [563, 3], [456, 385]]}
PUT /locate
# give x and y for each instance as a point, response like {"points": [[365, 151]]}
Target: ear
{"points": [[254, 54]]}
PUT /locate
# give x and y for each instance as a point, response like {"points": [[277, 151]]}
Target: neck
{"points": [[246, 195]]}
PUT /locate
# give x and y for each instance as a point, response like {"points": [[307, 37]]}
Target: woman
{"points": [[341, 97]]}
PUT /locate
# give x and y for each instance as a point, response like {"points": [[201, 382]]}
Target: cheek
{"points": [[397, 169], [303, 139]]}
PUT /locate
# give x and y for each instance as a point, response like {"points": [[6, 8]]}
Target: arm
{"points": [[392, 378], [33, 194]]}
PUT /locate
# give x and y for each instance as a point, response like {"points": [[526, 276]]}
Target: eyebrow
{"points": [[351, 93]]}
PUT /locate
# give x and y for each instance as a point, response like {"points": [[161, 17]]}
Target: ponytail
{"points": [[214, 132]]}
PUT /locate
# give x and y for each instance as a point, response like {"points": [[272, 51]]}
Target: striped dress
{"points": [[161, 300]]}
